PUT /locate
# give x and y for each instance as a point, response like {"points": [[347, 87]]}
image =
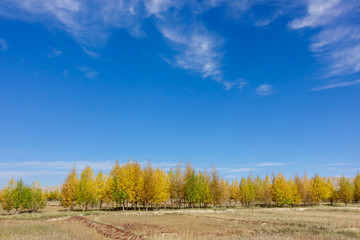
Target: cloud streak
{"points": [[337, 85]]}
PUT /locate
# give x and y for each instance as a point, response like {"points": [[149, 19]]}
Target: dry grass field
{"points": [[258, 223]]}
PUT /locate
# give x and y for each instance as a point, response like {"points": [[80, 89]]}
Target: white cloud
{"points": [[3, 45], [337, 43], [239, 84], [319, 12], [336, 85], [198, 50], [264, 90], [89, 72]]}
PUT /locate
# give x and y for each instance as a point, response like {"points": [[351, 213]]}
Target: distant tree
{"points": [[346, 191], [69, 190], [6, 196], [357, 187]]}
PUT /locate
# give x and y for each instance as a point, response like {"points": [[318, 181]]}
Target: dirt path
{"points": [[106, 230]]}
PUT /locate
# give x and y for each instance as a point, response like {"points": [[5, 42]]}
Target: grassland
{"points": [[242, 223]]}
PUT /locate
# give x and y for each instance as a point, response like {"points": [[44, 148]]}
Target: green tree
{"points": [[22, 196], [192, 195], [38, 200], [203, 189]]}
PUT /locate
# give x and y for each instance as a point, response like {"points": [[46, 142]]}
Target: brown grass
{"points": [[259, 223]]}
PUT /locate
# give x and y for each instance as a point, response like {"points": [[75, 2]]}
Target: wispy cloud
{"points": [[55, 52], [273, 164], [3, 45], [198, 49], [89, 72], [239, 84], [52, 165], [337, 164], [336, 85], [265, 90], [337, 41]]}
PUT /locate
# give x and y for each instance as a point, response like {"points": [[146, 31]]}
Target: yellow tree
{"points": [[304, 186], [135, 182], [203, 188], [281, 190], [346, 191], [148, 187], [6, 196], [86, 189], [215, 187], [69, 190], [334, 196], [259, 189], [225, 195], [161, 190], [295, 195], [38, 199], [176, 185], [267, 199], [357, 187], [319, 189], [101, 191], [247, 192], [234, 191]]}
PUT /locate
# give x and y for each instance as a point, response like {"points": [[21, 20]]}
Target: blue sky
{"points": [[248, 86]]}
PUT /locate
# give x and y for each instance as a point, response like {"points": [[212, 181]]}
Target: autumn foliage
{"points": [[131, 186]]}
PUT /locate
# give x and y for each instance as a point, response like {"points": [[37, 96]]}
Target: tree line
{"points": [[132, 186]]}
